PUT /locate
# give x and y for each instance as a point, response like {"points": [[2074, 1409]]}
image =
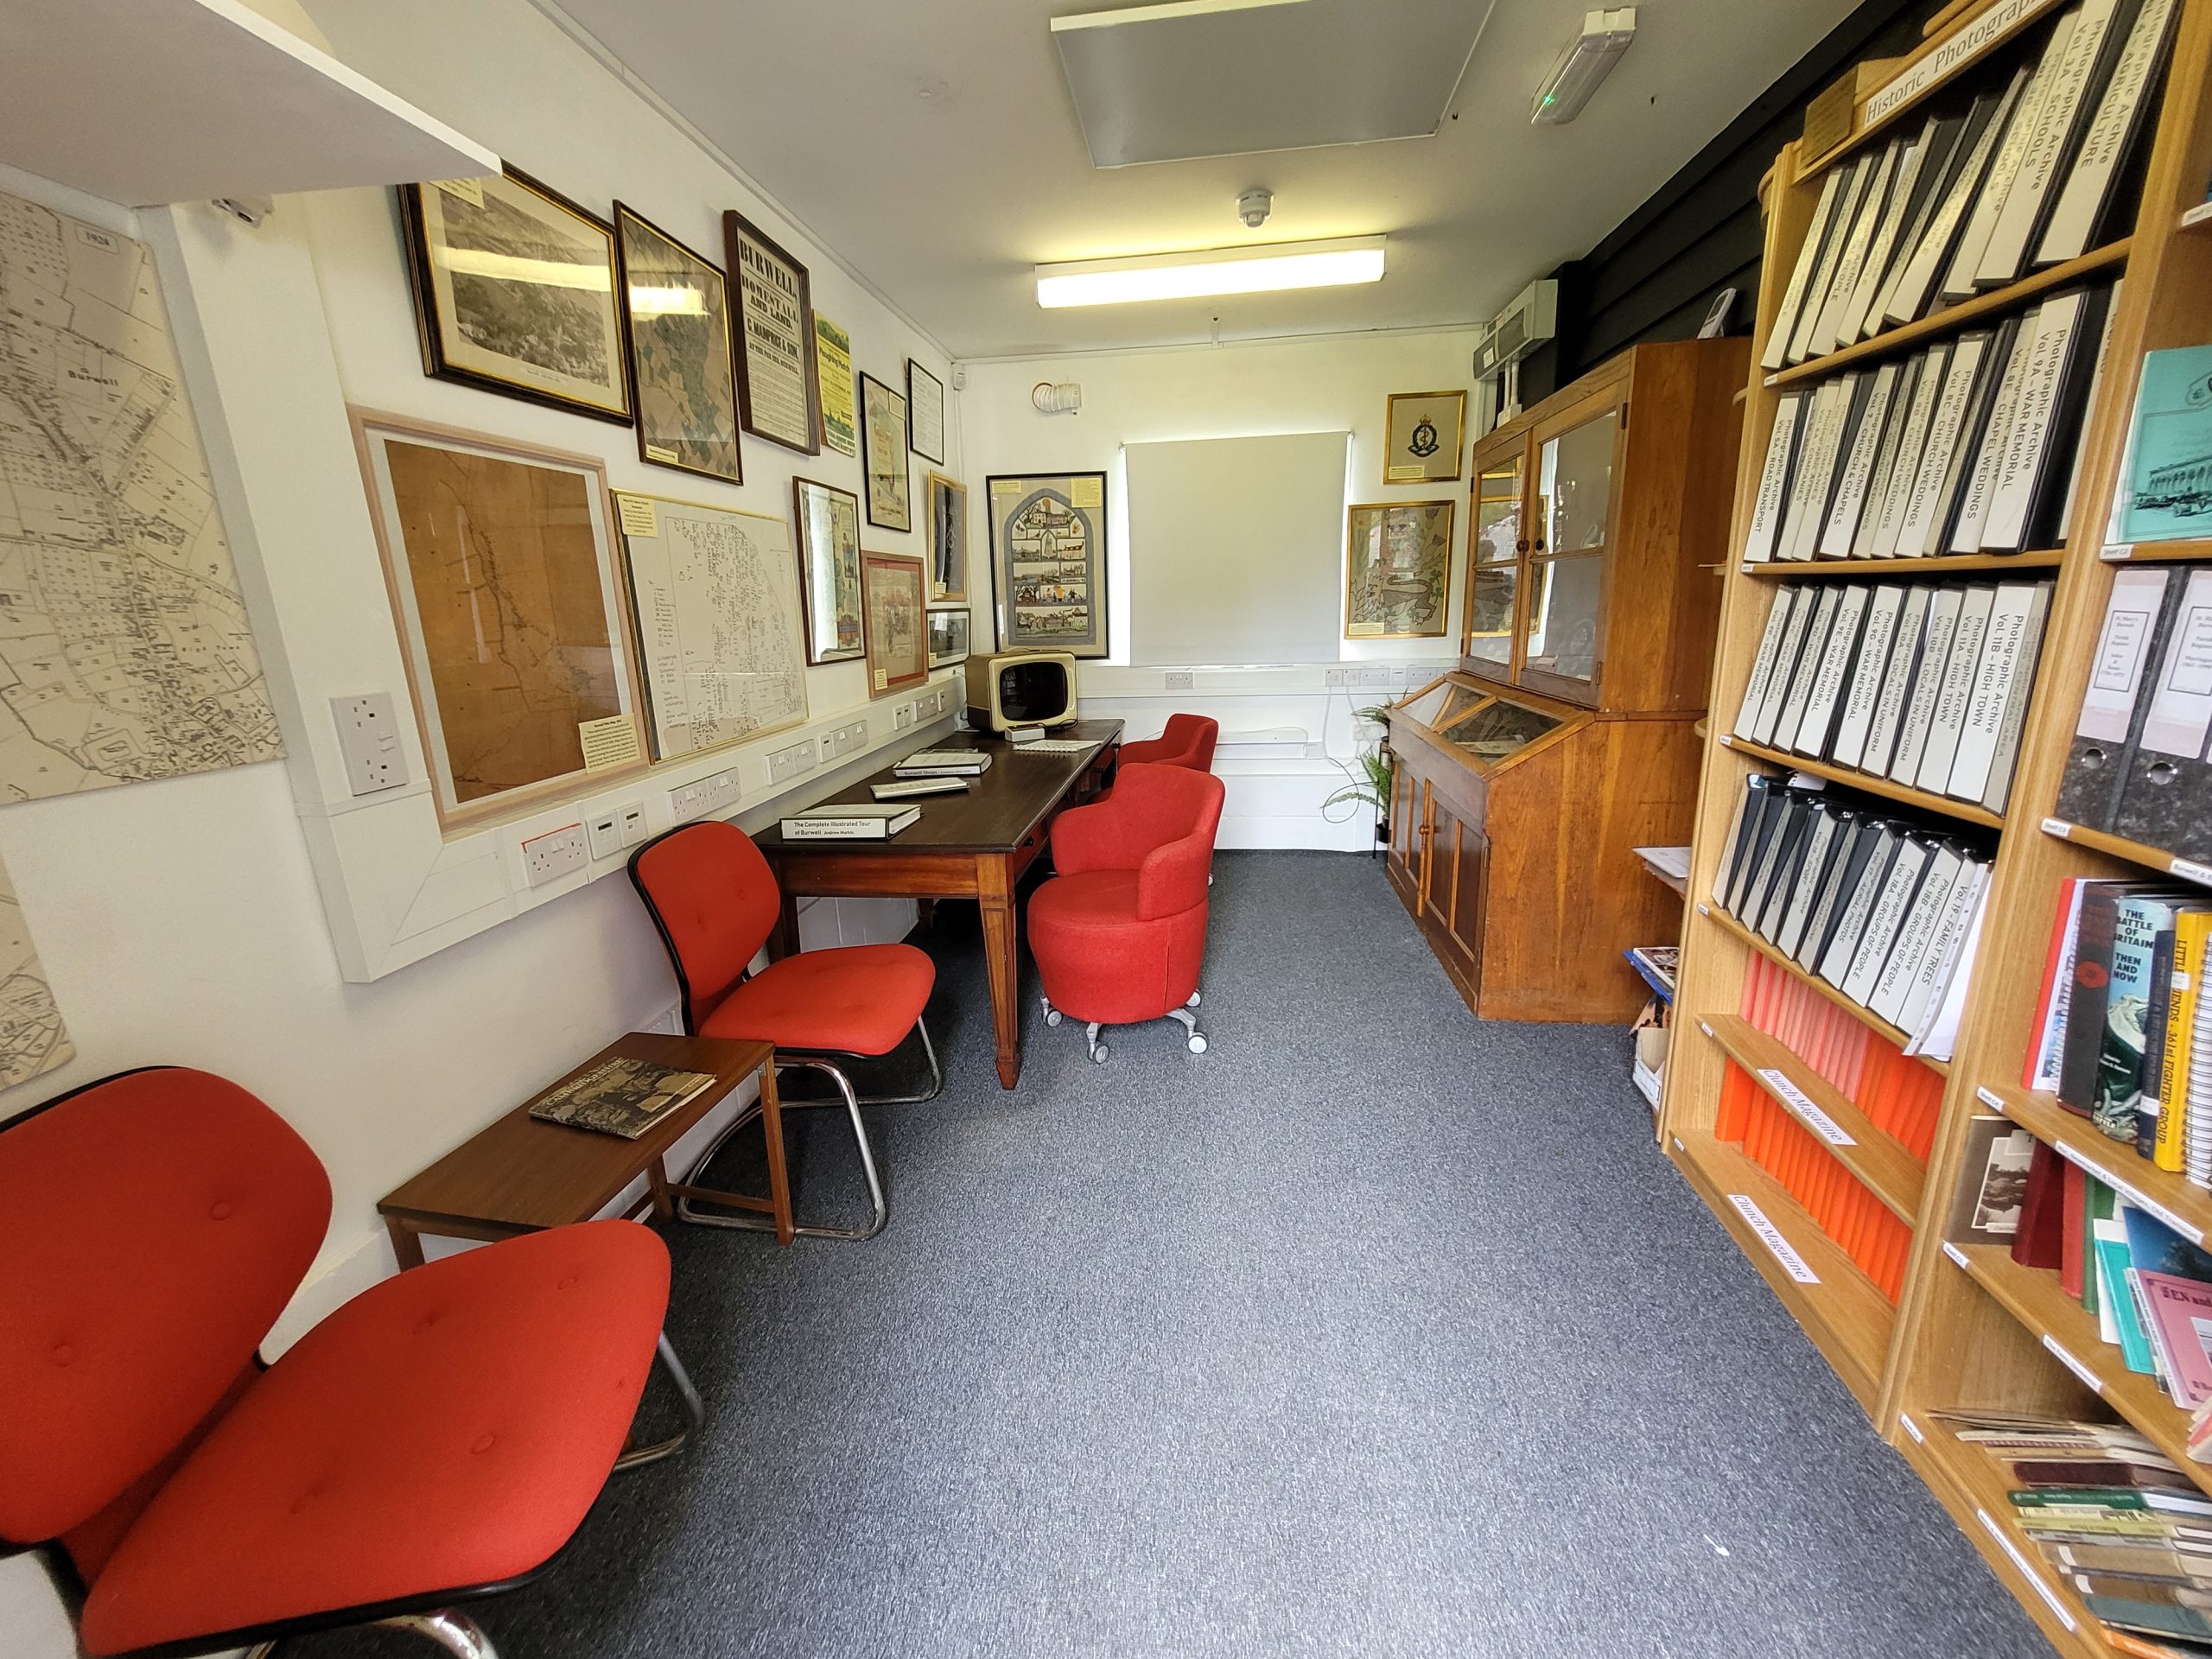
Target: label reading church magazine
{"points": [[1770, 1236], [775, 349]]}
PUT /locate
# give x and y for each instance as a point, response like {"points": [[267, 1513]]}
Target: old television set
{"points": [[1020, 688]]}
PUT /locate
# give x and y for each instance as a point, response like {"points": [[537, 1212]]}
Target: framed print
{"points": [[829, 523], [898, 648], [777, 397], [946, 503], [833, 381], [926, 412], [676, 331], [500, 561], [883, 435], [514, 292], [948, 637], [1397, 568], [715, 597], [1426, 429], [1048, 561]]}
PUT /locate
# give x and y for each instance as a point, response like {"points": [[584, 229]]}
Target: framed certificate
{"points": [[925, 412], [776, 394], [883, 451]]}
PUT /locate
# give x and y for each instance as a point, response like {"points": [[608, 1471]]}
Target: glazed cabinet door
{"points": [[1563, 612]]}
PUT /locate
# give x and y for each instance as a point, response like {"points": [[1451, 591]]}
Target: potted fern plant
{"points": [[1368, 774]]}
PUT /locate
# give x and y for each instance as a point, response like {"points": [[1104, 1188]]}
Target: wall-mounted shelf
{"points": [[1941, 805], [1989, 563], [148, 101]]}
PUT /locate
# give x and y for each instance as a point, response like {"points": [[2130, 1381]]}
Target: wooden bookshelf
{"points": [[1972, 1329], [1859, 1011], [2195, 551]]}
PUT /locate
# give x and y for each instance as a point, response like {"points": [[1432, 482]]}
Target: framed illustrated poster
{"points": [[1397, 569], [1048, 562], [948, 637], [898, 648], [532, 695], [829, 521], [676, 330], [1426, 431], [883, 435], [776, 394], [926, 411], [832, 380], [946, 503], [716, 596], [514, 292]]}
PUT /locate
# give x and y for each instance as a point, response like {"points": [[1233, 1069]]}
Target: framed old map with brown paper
{"points": [[1397, 567], [500, 561]]}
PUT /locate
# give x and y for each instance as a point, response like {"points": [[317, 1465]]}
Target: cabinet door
{"points": [[1498, 539], [1563, 612], [1402, 859], [1451, 890]]}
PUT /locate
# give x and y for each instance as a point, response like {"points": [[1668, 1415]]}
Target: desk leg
{"points": [[995, 893], [780, 1180], [406, 1243]]}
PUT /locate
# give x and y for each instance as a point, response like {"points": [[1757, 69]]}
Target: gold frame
{"points": [[1457, 445], [933, 484], [1444, 590]]}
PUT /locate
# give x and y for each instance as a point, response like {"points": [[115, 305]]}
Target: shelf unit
{"points": [[1993, 563], [1972, 1329]]}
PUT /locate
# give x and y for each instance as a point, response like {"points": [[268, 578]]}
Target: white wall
{"points": [[1322, 384]]}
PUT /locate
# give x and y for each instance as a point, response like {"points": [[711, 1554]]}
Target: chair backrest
{"points": [[153, 1226], [715, 902], [1194, 736]]}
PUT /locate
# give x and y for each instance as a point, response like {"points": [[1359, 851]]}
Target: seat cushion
{"points": [[1096, 899], [447, 1429], [855, 999]]}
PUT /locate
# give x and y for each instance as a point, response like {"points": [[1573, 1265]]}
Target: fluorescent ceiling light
{"points": [[1211, 270], [1588, 59]]}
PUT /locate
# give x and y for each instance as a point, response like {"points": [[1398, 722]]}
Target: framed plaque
{"points": [[776, 394], [883, 456], [925, 412], [1424, 432]]}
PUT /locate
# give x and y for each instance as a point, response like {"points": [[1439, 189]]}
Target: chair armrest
{"points": [[1173, 878], [1094, 837]]}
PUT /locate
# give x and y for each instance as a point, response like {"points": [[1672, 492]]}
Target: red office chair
{"points": [[437, 1438], [1188, 742], [715, 901], [1120, 931]]}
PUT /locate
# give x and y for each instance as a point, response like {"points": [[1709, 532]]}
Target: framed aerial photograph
{"points": [[897, 646], [1426, 431], [833, 381], [1048, 561], [778, 397], [946, 503], [949, 637], [827, 522], [926, 412], [534, 695], [676, 331], [1397, 569], [514, 292], [883, 450]]}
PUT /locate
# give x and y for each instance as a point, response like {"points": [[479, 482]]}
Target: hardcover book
{"points": [[621, 1096], [2168, 488]]}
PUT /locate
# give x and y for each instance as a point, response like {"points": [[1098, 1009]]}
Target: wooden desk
{"points": [[972, 846], [522, 1174]]}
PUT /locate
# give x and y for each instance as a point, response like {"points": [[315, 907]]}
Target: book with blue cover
{"points": [[2167, 493]]}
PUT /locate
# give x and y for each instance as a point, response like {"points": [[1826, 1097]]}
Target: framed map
{"points": [[1397, 563], [898, 641], [829, 521], [775, 388], [675, 328], [947, 505], [124, 652], [514, 292], [1048, 562], [883, 444], [500, 562], [716, 596]]}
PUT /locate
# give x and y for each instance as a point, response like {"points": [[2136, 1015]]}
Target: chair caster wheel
{"points": [[1098, 1055], [1198, 1043], [1052, 1016], [1193, 1003]]}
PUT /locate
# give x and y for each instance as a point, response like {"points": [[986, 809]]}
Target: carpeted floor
{"points": [[1374, 1330]]}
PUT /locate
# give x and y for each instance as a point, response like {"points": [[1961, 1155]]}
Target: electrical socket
{"points": [[902, 717], [555, 853], [842, 741], [368, 736], [605, 833], [632, 815], [704, 795], [1181, 679], [1333, 677], [788, 763]]}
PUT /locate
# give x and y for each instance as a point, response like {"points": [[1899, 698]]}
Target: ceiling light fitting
{"points": [[1262, 270], [1587, 60]]}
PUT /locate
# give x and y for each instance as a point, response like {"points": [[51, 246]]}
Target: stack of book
{"points": [[2033, 162], [2123, 1035], [1923, 684], [1884, 905]]}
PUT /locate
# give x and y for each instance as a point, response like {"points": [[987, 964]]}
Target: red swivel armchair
{"points": [[438, 1438], [715, 902], [1119, 933], [1188, 742]]}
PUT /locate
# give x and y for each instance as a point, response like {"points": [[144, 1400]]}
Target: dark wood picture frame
{"points": [[813, 610], [914, 401], [1030, 485], [906, 521], [625, 215], [737, 231]]}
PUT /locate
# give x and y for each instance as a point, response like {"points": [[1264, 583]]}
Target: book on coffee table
{"points": [[621, 1096]]}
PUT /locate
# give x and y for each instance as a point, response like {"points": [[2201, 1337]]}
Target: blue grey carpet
{"points": [[1377, 1330]]}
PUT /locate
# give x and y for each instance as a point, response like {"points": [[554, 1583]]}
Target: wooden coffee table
{"points": [[522, 1175]]}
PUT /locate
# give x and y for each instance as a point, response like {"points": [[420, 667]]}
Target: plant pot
{"points": [[1382, 832]]}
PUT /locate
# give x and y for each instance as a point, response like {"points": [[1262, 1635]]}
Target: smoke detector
{"points": [[1253, 207]]}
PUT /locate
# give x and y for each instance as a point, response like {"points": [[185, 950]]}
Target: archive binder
{"points": [[2167, 801], [2137, 613]]}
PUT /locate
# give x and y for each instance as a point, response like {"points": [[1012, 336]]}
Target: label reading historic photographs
{"points": [[775, 346]]}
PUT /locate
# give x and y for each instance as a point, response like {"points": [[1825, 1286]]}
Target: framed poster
{"points": [[534, 693], [514, 292], [898, 648], [715, 597], [832, 380], [829, 521], [1426, 429], [1048, 562], [948, 637], [883, 431], [1397, 568], [946, 503], [776, 394], [926, 411], [676, 331]]}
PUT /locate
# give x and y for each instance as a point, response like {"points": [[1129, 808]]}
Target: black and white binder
{"points": [[1857, 904], [1858, 174], [1800, 274], [1743, 830], [1919, 531], [1770, 900], [1886, 458], [1981, 771], [1763, 665], [2065, 518], [1919, 716], [1857, 469], [1828, 329], [1760, 820], [1778, 832], [2080, 69], [2137, 613], [1825, 840], [1886, 996], [1904, 197], [1912, 452], [1886, 920], [1973, 428], [2080, 220], [1846, 874], [1798, 695], [1949, 717], [1817, 727], [1943, 959], [1958, 284], [1980, 489], [1769, 713], [1896, 683], [2166, 802], [2054, 389], [1946, 136], [1915, 282], [1775, 476], [1867, 674], [1814, 487]]}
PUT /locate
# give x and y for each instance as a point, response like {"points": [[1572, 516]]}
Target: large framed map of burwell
{"points": [[500, 561], [1048, 562], [124, 652], [716, 596]]}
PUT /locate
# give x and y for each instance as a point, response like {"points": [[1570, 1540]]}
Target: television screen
{"points": [[1035, 691]]}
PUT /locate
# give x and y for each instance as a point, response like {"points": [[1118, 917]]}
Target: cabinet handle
{"points": [[1521, 546], [1540, 544]]}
